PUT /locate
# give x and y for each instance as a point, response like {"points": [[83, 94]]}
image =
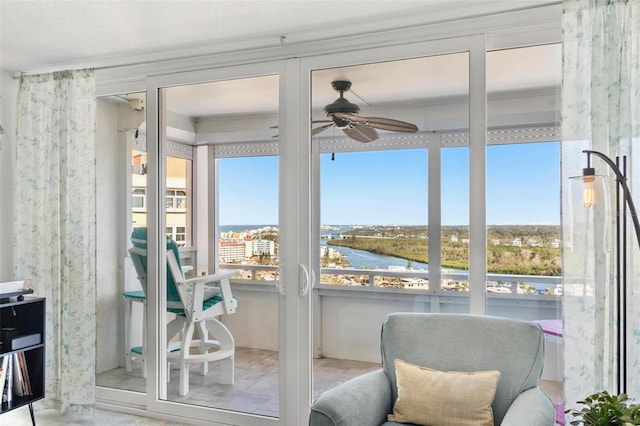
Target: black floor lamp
{"points": [[624, 201]]}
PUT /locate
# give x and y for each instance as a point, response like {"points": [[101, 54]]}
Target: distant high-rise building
{"points": [[263, 247], [233, 251]]}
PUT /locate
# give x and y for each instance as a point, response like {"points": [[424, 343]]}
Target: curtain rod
{"points": [[257, 48]]}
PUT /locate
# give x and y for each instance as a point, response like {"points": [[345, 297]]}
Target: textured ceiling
{"points": [[38, 34]]}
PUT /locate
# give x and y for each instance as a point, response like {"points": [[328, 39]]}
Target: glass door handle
{"points": [[304, 280], [279, 281]]}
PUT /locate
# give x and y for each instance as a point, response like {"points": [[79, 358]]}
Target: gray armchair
{"points": [[447, 342]]}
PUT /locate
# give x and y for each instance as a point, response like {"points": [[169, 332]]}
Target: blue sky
{"points": [[390, 187]]}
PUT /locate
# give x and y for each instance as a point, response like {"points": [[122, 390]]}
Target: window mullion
{"points": [[477, 177], [435, 212]]}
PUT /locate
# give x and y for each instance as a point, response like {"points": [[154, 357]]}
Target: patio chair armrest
{"points": [[363, 400], [213, 278], [221, 279], [531, 408]]}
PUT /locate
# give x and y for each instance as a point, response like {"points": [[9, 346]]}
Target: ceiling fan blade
{"points": [[321, 121], [321, 128], [379, 122], [391, 124], [361, 133]]}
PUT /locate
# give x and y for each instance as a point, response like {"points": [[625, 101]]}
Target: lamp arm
{"points": [[622, 181]]}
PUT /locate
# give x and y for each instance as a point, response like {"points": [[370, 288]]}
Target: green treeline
{"points": [[536, 256]]}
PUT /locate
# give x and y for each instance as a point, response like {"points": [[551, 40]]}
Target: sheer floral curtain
{"points": [[55, 217], [600, 111]]}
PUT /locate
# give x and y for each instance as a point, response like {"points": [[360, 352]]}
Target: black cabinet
{"points": [[22, 352]]}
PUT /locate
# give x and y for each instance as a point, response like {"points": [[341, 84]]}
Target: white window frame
{"points": [[172, 195], [142, 196]]}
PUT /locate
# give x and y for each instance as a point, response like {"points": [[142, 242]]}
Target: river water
{"points": [[360, 259]]}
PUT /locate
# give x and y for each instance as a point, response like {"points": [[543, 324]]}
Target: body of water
{"points": [[360, 259], [240, 228]]}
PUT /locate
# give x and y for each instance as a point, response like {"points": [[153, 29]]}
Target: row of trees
{"points": [[500, 259], [544, 234]]}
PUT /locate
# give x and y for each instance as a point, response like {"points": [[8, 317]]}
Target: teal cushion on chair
{"points": [[205, 305], [135, 294], [139, 239]]}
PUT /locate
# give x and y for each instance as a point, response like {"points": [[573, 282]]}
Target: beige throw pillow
{"points": [[437, 398]]}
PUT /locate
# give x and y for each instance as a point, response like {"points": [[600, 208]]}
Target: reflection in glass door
{"points": [[121, 185], [221, 224], [523, 197]]}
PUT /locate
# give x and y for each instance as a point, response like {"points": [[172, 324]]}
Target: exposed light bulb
{"points": [[589, 196]]}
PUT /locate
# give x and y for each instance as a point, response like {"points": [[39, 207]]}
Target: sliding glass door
{"points": [[335, 189], [523, 196], [389, 178], [408, 220], [217, 164]]}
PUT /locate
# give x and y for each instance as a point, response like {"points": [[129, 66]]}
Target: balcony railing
{"points": [[357, 309], [408, 279]]}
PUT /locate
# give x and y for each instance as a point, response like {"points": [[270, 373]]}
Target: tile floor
{"points": [[256, 382], [255, 390], [51, 417]]}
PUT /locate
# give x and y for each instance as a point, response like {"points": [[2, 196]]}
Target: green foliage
{"points": [[411, 243], [602, 409]]}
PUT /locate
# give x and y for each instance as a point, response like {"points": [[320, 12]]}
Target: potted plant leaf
{"points": [[602, 409]]}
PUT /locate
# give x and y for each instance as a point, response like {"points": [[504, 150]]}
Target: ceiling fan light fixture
{"points": [[341, 123]]}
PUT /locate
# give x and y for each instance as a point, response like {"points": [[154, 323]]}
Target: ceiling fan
{"points": [[344, 115]]}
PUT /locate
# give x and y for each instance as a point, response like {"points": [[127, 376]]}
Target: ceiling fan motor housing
{"points": [[341, 104]]}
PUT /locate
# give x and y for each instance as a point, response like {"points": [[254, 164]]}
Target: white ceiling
{"points": [[42, 36], [409, 82]]}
